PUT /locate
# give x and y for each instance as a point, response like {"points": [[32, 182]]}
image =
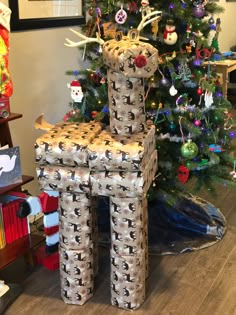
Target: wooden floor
{"points": [[198, 283]]}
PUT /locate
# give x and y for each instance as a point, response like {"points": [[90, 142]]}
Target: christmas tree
{"points": [[184, 100]]}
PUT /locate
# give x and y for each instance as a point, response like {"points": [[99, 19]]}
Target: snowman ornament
{"points": [[76, 91], [170, 36]]}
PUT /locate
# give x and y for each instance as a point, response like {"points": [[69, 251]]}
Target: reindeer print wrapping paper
{"points": [[66, 144], [76, 221], [127, 225], [124, 184], [121, 153], [126, 103], [128, 280], [120, 56], [68, 179], [76, 275]]}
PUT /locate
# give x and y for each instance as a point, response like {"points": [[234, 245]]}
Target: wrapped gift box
{"points": [[66, 144], [76, 218], [68, 179], [76, 273], [124, 184], [121, 153], [127, 225], [128, 280], [126, 104], [121, 57], [78, 223]]}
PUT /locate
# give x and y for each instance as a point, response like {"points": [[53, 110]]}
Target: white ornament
{"points": [[173, 90], [208, 98], [170, 36]]}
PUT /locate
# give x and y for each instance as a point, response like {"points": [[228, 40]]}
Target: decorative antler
{"points": [[86, 40], [147, 20]]}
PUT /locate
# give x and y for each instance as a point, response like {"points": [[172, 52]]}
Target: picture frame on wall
{"points": [[38, 14]]}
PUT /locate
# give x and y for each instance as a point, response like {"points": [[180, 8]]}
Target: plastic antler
{"points": [[85, 40], [147, 20]]}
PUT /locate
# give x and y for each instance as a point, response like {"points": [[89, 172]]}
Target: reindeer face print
{"points": [[134, 58]]}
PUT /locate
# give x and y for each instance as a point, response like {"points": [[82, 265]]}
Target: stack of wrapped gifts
{"points": [[83, 161]]}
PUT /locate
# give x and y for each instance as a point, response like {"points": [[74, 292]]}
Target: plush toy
{"points": [[46, 202]]}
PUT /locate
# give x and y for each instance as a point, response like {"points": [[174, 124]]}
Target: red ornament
{"points": [[183, 174], [94, 113], [140, 61], [199, 91]]}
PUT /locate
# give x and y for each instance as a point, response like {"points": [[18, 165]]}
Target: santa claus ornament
{"points": [[76, 91], [170, 36]]}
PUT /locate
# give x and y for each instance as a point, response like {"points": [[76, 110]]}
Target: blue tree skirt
{"points": [[185, 223], [176, 224]]}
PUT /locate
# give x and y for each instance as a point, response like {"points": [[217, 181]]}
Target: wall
{"points": [[38, 62], [227, 37]]}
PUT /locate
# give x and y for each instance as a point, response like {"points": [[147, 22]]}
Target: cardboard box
{"points": [[127, 225], [128, 280], [124, 184], [126, 104], [76, 221], [66, 144], [121, 153], [68, 179], [120, 56], [76, 275]]}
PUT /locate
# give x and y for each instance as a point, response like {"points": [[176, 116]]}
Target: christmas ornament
{"points": [[189, 30], [133, 6], [171, 125], [91, 11], [203, 53], [228, 121], [189, 150], [199, 11], [197, 122], [208, 98], [76, 91], [173, 90], [170, 36], [183, 174], [145, 9], [164, 82], [215, 148], [184, 72], [199, 91], [182, 101], [121, 16], [94, 113], [233, 173]]}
